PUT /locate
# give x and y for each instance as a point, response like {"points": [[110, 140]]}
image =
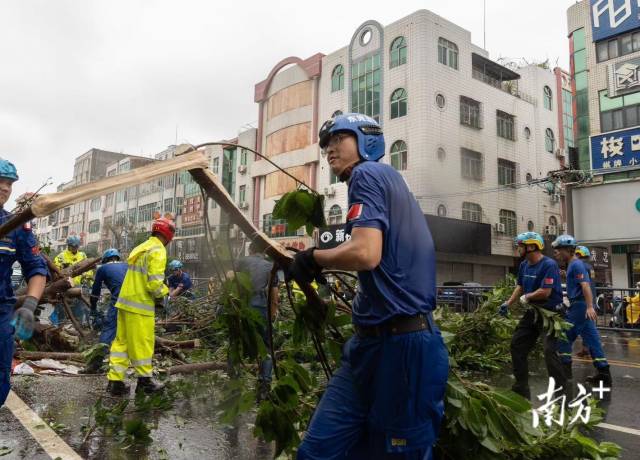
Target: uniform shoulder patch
{"points": [[35, 250], [548, 281], [355, 211], [27, 227]]}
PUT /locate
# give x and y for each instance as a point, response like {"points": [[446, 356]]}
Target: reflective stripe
{"points": [[117, 367], [131, 303], [600, 359], [158, 292], [151, 251], [135, 268], [119, 354], [140, 362], [145, 374], [156, 277], [7, 248]]}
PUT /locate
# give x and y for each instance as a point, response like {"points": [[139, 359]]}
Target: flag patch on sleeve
{"points": [[355, 211], [548, 281], [580, 276]]}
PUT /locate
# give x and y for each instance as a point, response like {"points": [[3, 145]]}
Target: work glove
{"points": [[23, 320], [161, 303], [304, 268], [504, 309], [562, 308], [523, 299]]}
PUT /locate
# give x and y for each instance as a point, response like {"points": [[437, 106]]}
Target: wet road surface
{"points": [[190, 429]]}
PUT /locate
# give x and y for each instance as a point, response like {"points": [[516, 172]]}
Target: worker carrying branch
{"points": [[142, 291], [20, 245]]}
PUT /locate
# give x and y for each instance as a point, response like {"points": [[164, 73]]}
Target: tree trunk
{"points": [[35, 355]]}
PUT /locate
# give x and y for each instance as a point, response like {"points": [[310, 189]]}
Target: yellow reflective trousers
{"points": [[133, 345]]}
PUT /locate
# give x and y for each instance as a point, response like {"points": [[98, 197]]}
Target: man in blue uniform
{"points": [[20, 245], [387, 398], [581, 312], [179, 281], [539, 284]]}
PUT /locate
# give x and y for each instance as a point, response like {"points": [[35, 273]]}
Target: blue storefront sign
{"points": [[615, 149], [613, 17]]}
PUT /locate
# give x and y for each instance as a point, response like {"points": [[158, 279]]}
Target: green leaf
{"points": [[511, 400]]}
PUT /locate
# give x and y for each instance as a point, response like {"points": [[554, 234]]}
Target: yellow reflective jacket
{"points": [[633, 309], [144, 281], [66, 258]]}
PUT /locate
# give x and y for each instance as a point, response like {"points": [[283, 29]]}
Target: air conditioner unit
{"points": [[555, 198], [560, 154], [551, 230], [233, 232], [500, 228], [242, 169], [301, 231], [243, 205], [330, 191]]}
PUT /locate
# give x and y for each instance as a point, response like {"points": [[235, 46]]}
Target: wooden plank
{"points": [[278, 183], [287, 139], [289, 98]]}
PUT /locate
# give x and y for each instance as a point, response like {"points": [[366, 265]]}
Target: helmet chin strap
{"points": [[346, 174]]}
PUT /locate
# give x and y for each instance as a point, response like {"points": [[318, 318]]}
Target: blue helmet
{"points": [[366, 129], [564, 241], [8, 170], [73, 240], [109, 253], [527, 238], [583, 251], [175, 265]]}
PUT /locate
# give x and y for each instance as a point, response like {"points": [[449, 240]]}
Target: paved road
{"points": [[190, 430]]}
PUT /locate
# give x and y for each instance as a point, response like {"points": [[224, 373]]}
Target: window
{"points": [[442, 153], [549, 141], [399, 155], [440, 100], [145, 212], [121, 196], [553, 221], [505, 125], [618, 46], [619, 112], [365, 86], [94, 226], [243, 157], [447, 53], [179, 204], [470, 112], [131, 216], [529, 177], [567, 117], [168, 205], [508, 219], [120, 218], [471, 164], [530, 226], [398, 52], [242, 194], [506, 172], [398, 103], [337, 78], [548, 98], [276, 228], [471, 211], [333, 179], [216, 165], [64, 233], [95, 204], [442, 210], [335, 215], [527, 132]]}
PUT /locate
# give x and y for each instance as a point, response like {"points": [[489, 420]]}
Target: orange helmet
{"points": [[164, 227]]}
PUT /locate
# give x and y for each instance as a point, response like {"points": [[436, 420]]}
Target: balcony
{"points": [[498, 76]]}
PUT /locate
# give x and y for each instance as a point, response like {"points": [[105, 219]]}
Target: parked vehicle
{"points": [[462, 296]]}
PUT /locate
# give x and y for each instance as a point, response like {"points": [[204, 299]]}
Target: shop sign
{"points": [[613, 17], [615, 149]]}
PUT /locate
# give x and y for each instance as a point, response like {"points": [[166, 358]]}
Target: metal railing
{"points": [[463, 299]]}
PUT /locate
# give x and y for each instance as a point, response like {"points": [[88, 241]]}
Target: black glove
{"points": [[159, 303], [23, 320], [304, 268]]}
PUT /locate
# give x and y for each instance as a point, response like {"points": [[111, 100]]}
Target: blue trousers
{"points": [[6, 350], [586, 328], [109, 324], [385, 402]]}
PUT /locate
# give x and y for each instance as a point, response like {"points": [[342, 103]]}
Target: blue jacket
{"points": [[21, 245], [185, 280], [112, 275]]}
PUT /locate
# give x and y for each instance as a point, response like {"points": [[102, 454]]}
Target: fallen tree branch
{"points": [[35, 355], [195, 343], [196, 367], [71, 316]]}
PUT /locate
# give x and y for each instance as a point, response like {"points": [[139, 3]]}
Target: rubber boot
{"points": [[117, 388], [603, 375], [568, 384], [148, 385]]}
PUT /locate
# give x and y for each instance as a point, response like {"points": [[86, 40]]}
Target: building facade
{"points": [[604, 40], [469, 135]]}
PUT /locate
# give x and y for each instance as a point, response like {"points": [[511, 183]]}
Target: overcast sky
{"points": [[122, 75]]}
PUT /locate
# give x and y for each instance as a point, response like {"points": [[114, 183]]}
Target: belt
{"points": [[395, 326]]}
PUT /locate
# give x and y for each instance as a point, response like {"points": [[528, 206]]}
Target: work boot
{"points": [[263, 391], [522, 389], [117, 388], [148, 385], [603, 375], [567, 370]]}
